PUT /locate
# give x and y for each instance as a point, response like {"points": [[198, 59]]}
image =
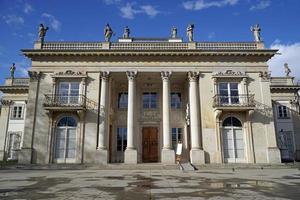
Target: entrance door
{"points": [[150, 144], [233, 141], [286, 145]]}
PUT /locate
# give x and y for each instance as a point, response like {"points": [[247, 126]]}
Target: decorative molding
{"points": [[6, 102], [104, 75], [265, 76], [34, 75], [69, 73], [230, 73], [131, 75], [165, 75], [193, 76]]}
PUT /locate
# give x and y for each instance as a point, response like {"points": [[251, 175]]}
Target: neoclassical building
{"points": [[136, 99]]}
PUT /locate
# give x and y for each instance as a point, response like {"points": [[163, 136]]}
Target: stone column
{"points": [[130, 156], [167, 153], [196, 152], [27, 154], [4, 120], [102, 154]]}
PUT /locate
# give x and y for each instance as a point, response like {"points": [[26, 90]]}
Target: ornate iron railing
{"points": [[246, 100], [75, 101]]}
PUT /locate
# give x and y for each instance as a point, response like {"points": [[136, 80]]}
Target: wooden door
{"points": [[150, 144]]}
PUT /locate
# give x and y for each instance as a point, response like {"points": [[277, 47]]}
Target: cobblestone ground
{"points": [[150, 184]]}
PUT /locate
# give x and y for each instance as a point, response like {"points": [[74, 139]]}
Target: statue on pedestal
{"points": [[256, 32], [42, 33], [126, 32], [108, 32], [12, 71], [174, 32], [287, 70], [190, 32]]}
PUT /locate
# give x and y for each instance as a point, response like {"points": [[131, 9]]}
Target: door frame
{"points": [[231, 130]]}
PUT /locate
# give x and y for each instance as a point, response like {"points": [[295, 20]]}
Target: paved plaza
{"points": [[150, 184]]}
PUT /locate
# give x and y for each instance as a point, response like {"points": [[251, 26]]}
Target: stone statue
{"points": [[189, 32], [12, 71], [108, 32], [126, 32], [287, 70], [42, 33], [174, 32], [256, 32]]}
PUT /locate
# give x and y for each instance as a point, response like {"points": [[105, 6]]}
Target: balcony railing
{"points": [[70, 102], [246, 100]]}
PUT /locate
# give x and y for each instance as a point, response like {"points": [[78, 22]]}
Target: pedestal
{"points": [[101, 156], [197, 156], [24, 156], [167, 156], [130, 156], [274, 155]]}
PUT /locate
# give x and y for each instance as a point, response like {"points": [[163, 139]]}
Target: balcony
{"points": [[240, 102], [62, 102]]}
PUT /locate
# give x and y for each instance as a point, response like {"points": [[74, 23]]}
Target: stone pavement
{"points": [[150, 184]]}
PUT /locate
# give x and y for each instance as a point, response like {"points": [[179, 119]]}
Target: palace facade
{"points": [[136, 99]]}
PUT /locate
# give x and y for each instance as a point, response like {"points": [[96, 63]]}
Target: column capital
{"points": [[131, 75], [104, 75], [165, 75], [193, 76], [35, 75]]}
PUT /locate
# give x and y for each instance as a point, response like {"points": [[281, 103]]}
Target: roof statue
{"points": [[189, 32], [287, 70], [108, 32], [174, 32], [42, 33], [256, 32], [12, 71], [126, 32]]}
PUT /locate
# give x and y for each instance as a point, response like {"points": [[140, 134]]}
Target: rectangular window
{"points": [[282, 111], [121, 138], [175, 100], [17, 112], [123, 100], [68, 93], [176, 137], [149, 100], [228, 93]]}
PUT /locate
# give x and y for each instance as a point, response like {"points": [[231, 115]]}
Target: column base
{"points": [[197, 156], [167, 156], [24, 156], [273, 155], [101, 156], [1, 155], [130, 156]]}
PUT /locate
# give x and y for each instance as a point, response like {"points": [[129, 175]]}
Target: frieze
{"points": [[69, 73]]}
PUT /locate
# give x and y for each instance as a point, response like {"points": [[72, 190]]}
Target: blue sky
{"points": [[215, 20]]}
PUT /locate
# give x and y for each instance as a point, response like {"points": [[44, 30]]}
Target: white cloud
{"points": [[128, 11], [262, 4], [27, 8], [203, 4], [54, 23], [13, 20], [290, 53], [109, 2]]}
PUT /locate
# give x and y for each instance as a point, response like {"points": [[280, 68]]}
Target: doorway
{"points": [[150, 144]]}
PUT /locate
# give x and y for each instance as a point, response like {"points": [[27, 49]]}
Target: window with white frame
{"points": [[17, 112], [228, 93], [68, 92], [123, 100], [121, 138], [176, 137], [175, 100], [282, 111], [149, 100]]}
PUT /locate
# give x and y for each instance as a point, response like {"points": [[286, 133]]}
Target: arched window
{"points": [[65, 145], [232, 121]]}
